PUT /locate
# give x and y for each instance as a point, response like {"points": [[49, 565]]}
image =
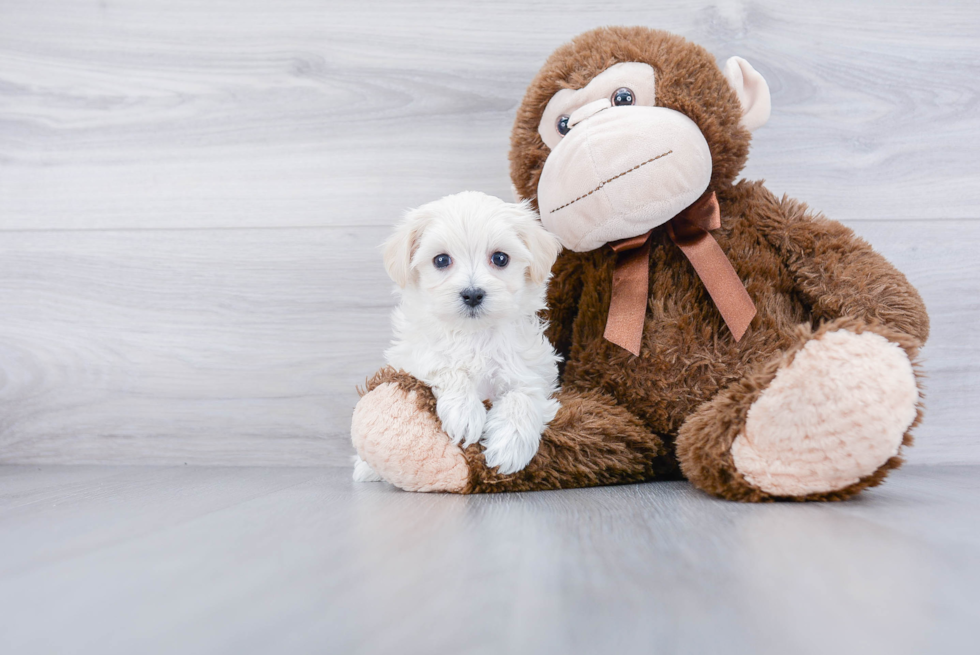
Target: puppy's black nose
{"points": [[472, 297]]}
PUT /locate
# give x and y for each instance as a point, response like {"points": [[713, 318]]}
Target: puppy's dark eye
{"points": [[500, 259], [442, 261], [562, 125], [623, 96]]}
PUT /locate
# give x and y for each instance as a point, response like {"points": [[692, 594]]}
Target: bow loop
{"points": [[690, 231]]}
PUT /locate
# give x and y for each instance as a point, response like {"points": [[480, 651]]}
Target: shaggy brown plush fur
{"points": [[683, 401], [797, 268], [705, 440]]}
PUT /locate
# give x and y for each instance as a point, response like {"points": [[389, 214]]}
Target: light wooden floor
{"points": [[297, 560]]}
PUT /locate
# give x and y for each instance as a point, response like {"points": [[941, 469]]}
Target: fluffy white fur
{"points": [[363, 471], [495, 351]]}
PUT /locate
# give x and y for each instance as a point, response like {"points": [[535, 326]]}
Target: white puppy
{"points": [[472, 272]]}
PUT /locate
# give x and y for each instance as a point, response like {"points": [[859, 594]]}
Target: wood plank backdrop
{"points": [[192, 194]]}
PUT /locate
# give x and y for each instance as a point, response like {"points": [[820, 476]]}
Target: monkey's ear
{"points": [[400, 247], [752, 91]]}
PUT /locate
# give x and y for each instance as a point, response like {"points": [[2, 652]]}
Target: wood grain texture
{"points": [[235, 346], [191, 194], [256, 560], [939, 258], [245, 346], [252, 113]]}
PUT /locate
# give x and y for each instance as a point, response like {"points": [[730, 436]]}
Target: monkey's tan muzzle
{"points": [[620, 172]]}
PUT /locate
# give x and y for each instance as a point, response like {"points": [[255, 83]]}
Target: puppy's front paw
{"points": [[513, 431], [463, 417]]}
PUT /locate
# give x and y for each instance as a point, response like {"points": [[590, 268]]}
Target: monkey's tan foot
{"points": [[823, 423], [835, 415], [396, 432]]}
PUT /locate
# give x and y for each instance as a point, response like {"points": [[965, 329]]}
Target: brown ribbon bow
{"points": [[691, 232]]}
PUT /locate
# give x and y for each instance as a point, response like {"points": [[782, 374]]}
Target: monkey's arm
{"points": [[838, 273], [592, 441], [564, 291]]}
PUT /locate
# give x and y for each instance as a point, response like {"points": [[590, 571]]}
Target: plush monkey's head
{"points": [[624, 127]]}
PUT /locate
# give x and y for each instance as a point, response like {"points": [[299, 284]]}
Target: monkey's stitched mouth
{"points": [[614, 177]]}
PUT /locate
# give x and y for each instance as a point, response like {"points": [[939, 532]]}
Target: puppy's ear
{"points": [[400, 247], [544, 245]]}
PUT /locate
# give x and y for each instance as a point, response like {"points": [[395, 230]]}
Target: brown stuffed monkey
{"points": [[710, 330]]}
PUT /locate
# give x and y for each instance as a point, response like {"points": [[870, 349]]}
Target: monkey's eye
{"points": [[500, 259], [442, 261], [562, 125], [623, 96]]}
